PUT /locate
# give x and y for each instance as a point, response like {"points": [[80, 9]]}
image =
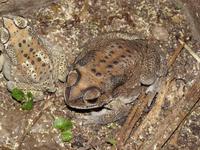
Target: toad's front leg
{"points": [[115, 111]]}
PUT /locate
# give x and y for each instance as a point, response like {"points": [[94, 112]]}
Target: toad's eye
{"points": [[4, 35], [73, 77], [91, 94], [20, 22]]}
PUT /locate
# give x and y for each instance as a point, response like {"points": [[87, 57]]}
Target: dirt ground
{"points": [[173, 122]]}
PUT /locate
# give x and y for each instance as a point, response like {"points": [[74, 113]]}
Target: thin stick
{"points": [[190, 51], [175, 55]]}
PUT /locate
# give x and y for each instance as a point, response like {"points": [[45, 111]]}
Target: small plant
{"points": [[65, 126], [26, 100], [66, 135]]}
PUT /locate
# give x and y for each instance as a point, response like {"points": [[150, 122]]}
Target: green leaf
{"points": [[63, 124], [112, 141], [66, 135], [27, 105], [18, 94]]}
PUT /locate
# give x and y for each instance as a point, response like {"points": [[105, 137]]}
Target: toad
{"points": [[26, 62], [111, 67]]}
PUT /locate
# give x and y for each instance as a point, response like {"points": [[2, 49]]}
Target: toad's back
{"points": [[27, 53], [116, 58]]}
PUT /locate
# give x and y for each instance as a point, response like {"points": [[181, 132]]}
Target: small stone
{"points": [[160, 33]]}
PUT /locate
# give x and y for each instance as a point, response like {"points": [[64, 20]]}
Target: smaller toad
{"points": [[111, 66], [26, 62]]}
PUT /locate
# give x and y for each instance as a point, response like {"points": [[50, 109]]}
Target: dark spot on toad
{"points": [[123, 56], [102, 61], [32, 62], [22, 51], [128, 51], [25, 55], [38, 59], [43, 64], [98, 74], [93, 70], [115, 62], [31, 49], [118, 80], [24, 41], [106, 57], [28, 45], [109, 66], [129, 55], [20, 44], [119, 46], [28, 57]]}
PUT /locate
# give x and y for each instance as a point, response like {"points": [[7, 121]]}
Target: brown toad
{"points": [[26, 62], [112, 65]]}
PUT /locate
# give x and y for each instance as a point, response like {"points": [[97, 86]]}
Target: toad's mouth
{"points": [[79, 102]]}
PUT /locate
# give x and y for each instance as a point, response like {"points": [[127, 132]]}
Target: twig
{"points": [[175, 55], [190, 51]]}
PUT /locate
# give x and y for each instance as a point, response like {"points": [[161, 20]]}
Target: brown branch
{"points": [[132, 119], [175, 55]]}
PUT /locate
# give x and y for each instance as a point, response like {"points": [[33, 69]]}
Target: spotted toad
{"points": [[113, 66], [26, 62]]}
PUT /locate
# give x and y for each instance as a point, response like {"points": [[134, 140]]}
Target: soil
{"points": [[173, 120]]}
